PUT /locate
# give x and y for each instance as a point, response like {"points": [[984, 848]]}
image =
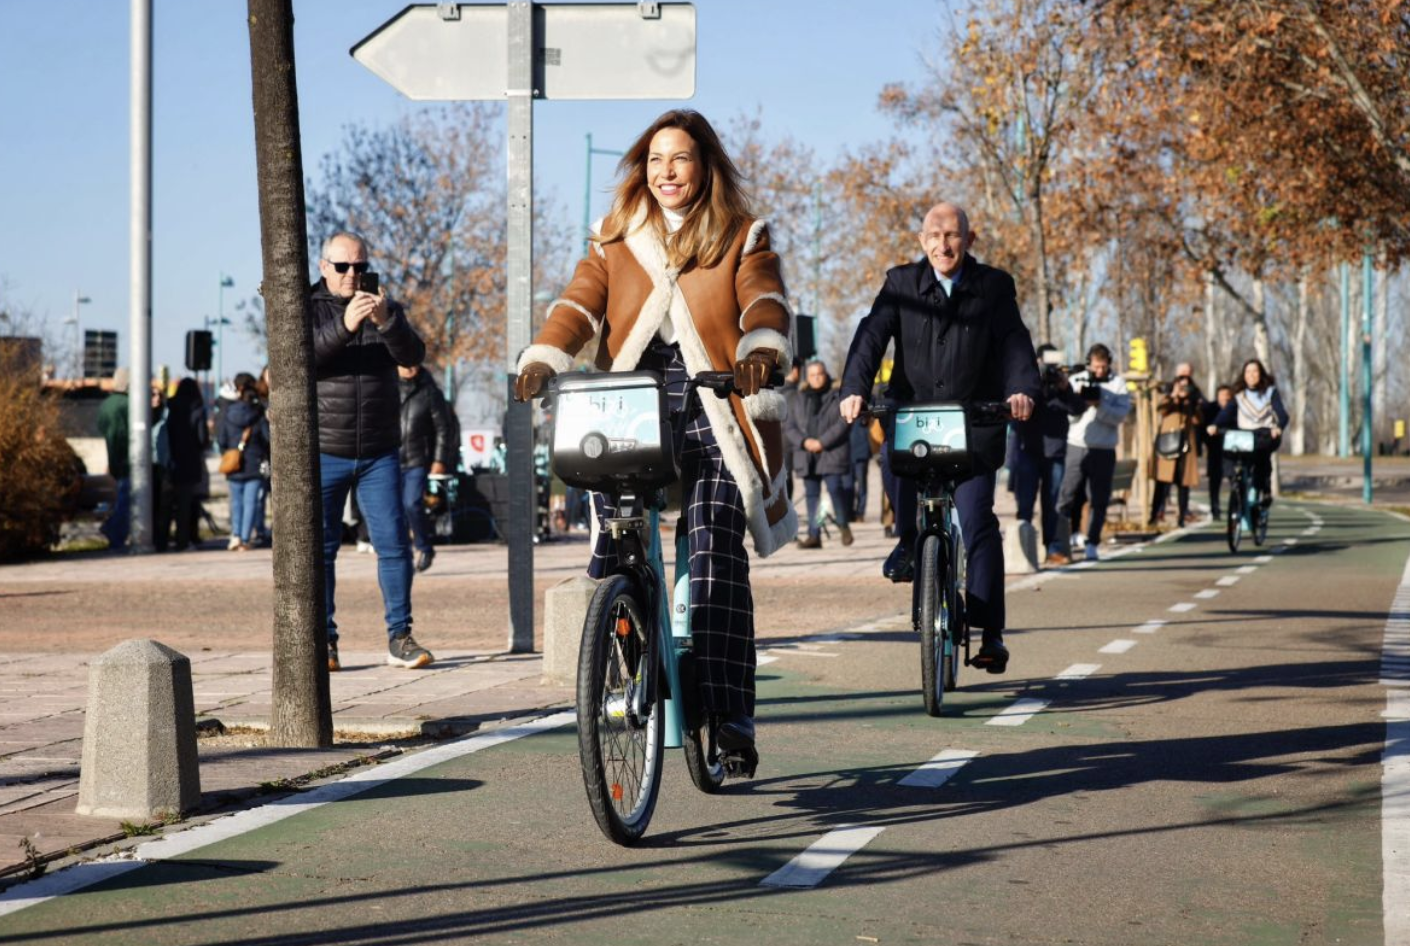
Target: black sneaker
{"points": [[403, 651], [736, 733], [424, 559], [334, 664], [993, 656], [899, 567]]}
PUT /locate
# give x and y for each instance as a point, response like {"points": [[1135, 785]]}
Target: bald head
{"points": [[946, 238]]}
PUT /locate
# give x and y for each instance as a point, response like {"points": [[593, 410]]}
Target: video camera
{"points": [[1055, 374]]}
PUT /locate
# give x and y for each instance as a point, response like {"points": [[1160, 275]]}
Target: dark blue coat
{"points": [[971, 346], [237, 416]]}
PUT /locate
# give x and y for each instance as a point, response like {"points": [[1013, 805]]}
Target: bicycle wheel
{"points": [[619, 742], [1259, 515], [1235, 527], [934, 632], [702, 760]]}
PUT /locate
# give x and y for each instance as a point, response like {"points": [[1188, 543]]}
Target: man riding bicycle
{"points": [[959, 337]]}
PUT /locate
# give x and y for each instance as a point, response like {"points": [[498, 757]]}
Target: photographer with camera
{"points": [[1091, 442], [359, 338], [1038, 450], [1175, 448]]}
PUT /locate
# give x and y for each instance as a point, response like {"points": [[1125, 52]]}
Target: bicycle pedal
{"points": [[740, 763]]}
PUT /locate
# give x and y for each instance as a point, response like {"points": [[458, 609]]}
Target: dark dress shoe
{"points": [[993, 656], [899, 567], [811, 542], [735, 734], [424, 559]]}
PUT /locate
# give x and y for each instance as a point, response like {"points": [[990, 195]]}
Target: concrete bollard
{"points": [[1020, 548], [139, 737], [565, 606]]}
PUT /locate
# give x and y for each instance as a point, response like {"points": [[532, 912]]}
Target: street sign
{"points": [[582, 51], [519, 52]]}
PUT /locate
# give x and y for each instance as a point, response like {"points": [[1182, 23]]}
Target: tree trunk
{"points": [[1299, 371], [300, 713], [1262, 349], [1040, 263], [1211, 363]]}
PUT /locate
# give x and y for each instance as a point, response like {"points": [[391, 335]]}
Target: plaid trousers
{"points": [[721, 602]]}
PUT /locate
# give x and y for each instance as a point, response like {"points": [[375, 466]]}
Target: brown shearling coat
{"points": [[623, 291], [1181, 416]]}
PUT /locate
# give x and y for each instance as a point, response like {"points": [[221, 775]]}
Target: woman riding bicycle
{"points": [[1256, 405], [681, 279]]}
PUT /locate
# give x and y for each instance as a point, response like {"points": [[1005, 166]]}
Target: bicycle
{"points": [[929, 443], [1247, 512], [637, 689]]}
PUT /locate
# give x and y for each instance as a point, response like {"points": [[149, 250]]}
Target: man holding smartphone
{"points": [[360, 337]]}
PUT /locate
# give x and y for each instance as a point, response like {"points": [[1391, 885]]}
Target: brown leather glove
{"points": [[751, 374], [530, 381]]}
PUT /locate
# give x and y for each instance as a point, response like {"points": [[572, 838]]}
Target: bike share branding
{"points": [[608, 421], [919, 432]]}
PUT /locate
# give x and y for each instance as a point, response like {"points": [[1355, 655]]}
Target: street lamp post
{"points": [[587, 190], [78, 299], [225, 283]]}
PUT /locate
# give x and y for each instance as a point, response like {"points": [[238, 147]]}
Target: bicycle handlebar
{"points": [[980, 413]]}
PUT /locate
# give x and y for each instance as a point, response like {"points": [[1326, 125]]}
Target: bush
{"points": [[40, 475]]}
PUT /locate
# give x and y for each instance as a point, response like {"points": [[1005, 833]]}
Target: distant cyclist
{"points": [[959, 337], [681, 278], [1256, 405]]}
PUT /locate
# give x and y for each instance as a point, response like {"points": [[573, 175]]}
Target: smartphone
{"points": [[367, 282]]}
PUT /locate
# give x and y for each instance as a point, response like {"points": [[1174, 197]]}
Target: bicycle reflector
{"points": [[624, 627]]}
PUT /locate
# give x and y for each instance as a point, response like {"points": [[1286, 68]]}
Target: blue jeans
{"points": [[377, 481], [119, 523], [812, 489], [413, 488], [1035, 477], [244, 504]]}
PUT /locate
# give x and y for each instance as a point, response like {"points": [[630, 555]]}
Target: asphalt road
{"points": [[1213, 779]]}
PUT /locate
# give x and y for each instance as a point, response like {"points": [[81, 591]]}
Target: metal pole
{"points": [[225, 282], [587, 200], [139, 398], [1344, 354], [519, 431], [1368, 280]]}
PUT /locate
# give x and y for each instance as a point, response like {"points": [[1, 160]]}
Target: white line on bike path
{"points": [[1150, 627], [1228, 581], [1017, 713], [1119, 646], [1078, 672], [1182, 607], [1395, 768], [174, 845], [938, 770], [821, 858], [1207, 593]]}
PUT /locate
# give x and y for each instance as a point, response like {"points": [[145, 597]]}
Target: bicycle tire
{"points": [[934, 634], [706, 769], [621, 754], [1235, 521], [1260, 521]]}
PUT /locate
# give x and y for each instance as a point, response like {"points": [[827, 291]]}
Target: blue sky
{"points": [[814, 68]]}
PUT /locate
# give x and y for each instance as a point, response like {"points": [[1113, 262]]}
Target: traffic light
{"points": [[198, 350], [1139, 362]]}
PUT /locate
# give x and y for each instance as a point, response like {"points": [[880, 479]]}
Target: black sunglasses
{"points": [[341, 268]]}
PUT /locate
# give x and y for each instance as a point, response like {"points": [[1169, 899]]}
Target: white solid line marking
{"points": [[938, 770], [1078, 672], [1312, 530], [1292, 541], [821, 858], [91, 872], [1183, 606], [1117, 647], [796, 651], [1150, 627], [1263, 560], [1081, 565], [1228, 581], [1395, 816], [1246, 569], [1017, 714], [1207, 593]]}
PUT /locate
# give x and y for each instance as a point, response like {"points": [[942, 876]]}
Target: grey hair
{"points": [[345, 235], [817, 361]]}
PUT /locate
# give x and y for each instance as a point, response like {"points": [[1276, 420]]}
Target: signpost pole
{"points": [[519, 431]]}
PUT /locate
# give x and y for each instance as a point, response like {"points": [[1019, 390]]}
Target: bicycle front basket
{"points": [[930, 438], [612, 430], [1247, 441]]}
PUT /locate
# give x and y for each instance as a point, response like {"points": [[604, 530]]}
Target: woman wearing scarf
{"points": [[1257, 405]]}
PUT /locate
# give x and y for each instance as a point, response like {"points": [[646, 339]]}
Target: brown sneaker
{"points": [[811, 542], [334, 664], [1056, 560], [846, 533]]}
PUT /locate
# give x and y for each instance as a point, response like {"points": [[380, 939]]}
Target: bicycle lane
{"points": [[1192, 753]]}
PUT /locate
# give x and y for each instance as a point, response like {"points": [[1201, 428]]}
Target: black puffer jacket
{"points": [[359, 400], [426, 435]]}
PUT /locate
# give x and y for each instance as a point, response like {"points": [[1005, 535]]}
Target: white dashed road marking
{"points": [[1246, 569], [821, 858], [1117, 647], [1183, 606], [938, 770], [1018, 714], [1263, 560], [1150, 627], [1078, 672], [1207, 593], [1228, 581]]}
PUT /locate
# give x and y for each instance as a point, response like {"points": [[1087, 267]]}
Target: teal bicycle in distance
{"points": [[637, 690], [1248, 514]]}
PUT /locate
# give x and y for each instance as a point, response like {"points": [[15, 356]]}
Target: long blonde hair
{"points": [[711, 221]]}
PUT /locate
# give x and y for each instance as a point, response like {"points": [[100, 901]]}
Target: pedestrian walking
{"points": [[244, 429], [1038, 452], [1091, 443], [820, 441], [188, 439], [859, 450], [1175, 461], [1215, 469], [427, 449], [681, 278], [113, 426], [360, 336]]}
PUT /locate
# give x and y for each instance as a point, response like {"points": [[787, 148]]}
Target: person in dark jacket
{"points": [[959, 337], [1214, 468], [243, 427], [818, 437], [188, 439], [359, 339], [427, 449], [112, 424], [1038, 452]]}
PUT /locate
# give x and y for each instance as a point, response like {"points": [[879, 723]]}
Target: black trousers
{"points": [[983, 545], [721, 601]]}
